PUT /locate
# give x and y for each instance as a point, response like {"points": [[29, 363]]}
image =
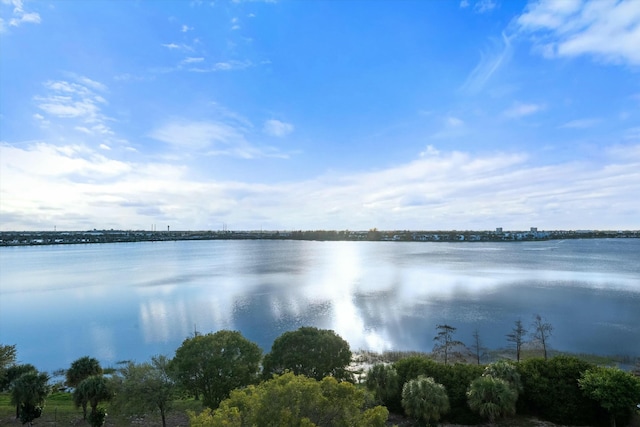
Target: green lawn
{"points": [[59, 410]]}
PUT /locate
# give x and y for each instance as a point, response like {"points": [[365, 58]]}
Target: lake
{"points": [[130, 301]]}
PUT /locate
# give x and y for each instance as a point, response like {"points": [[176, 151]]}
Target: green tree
{"points": [[295, 401], [541, 332], [214, 364], [551, 391], [13, 373], [506, 371], [517, 335], [383, 381], [7, 359], [492, 397], [446, 347], [455, 378], [82, 368], [92, 390], [615, 390], [424, 399], [145, 387], [315, 353], [29, 393]]}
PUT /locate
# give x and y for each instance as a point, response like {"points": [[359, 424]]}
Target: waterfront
{"points": [[134, 300]]}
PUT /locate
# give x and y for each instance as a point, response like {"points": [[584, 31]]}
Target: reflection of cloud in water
{"points": [[103, 342], [373, 298]]}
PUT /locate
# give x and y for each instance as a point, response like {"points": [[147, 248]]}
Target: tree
{"points": [[82, 368], [294, 400], [29, 393], [516, 337], [541, 332], [424, 399], [383, 381], [551, 391], [309, 351], [7, 359], [12, 374], [492, 397], [145, 387], [507, 372], [92, 390], [615, 390], [215, 364], [445, 344], [479, 351]]}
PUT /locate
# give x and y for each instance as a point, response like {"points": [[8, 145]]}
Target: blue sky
{"points": [[319, 114]]}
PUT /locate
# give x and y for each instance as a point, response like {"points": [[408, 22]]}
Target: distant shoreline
{"points": [[39, 238]]}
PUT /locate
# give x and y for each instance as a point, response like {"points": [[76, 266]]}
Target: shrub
{"points": [[424, 399]]}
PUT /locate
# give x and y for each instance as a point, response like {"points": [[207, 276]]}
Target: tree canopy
{"points": [[82, 368], [295, 400], [615, 390], [212, 365], [145, 387], [424, 399], [315, 353], [28, 393]]}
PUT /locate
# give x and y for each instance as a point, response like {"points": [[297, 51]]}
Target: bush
{"points": [[492, 397], [455, 378], [382, 380], [424, 399], [551, 391]]}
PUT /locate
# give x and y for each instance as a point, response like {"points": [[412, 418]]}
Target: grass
{"points": [[59, 410]]}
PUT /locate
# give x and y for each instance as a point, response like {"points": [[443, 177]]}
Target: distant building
{"points": [[499, 230], [534, 229]]}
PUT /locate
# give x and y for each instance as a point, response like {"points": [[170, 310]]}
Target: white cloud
{"points": [[186, 28], [581, 123], [73, 186], [483, 6], [277, 128], [521, 110], [192, 60], [490, 62], [454, 122], [464, 4], [606, 30], [213, 138], [18, 15]]}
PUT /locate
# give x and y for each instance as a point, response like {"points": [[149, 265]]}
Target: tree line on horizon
{"points": [[305, 380]]}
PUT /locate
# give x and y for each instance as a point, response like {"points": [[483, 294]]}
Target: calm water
{"points": [[135, 300]]}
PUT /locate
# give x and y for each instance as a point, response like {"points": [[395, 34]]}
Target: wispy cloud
{"points": [[521, 110], [484, 6], [18, 15], [277, 128], [441, 189], [213, 138], [581, 123], [224, 66], [490, 62], [606, 30]]}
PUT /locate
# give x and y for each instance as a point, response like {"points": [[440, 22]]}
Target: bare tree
{"points": [[479, 351], [517, 337], [541, 332], [445, 344]]}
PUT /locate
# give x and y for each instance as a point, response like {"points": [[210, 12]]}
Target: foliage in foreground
{"points": [[616, 391], [492, 398], [295, 400], [212, 365], [315, 353], [144, 388], [424, 399]]}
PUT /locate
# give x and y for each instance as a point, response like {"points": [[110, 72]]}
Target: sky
{"points": [[310, 114]]}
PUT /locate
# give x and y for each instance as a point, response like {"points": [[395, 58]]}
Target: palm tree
{"points": [[92, 391], [492, 397], [29, 393], [423, 398]]}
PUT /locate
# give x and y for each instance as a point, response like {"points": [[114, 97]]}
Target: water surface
{"points": [[134, 300]]}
